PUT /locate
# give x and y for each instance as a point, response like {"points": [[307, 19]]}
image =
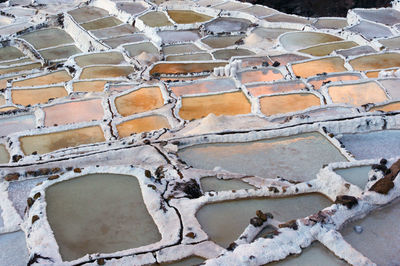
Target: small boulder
{"points": [[12, 177], [382, 186], [34, 218], [348, 201], [262, 215], [291, 224], [256, 222]]}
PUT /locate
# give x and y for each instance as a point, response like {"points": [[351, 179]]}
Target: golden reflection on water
{"points": [[281, 104], [222, 104], [45, 143], [143, 124], [319, 66], [138, 101], [36, 96]]}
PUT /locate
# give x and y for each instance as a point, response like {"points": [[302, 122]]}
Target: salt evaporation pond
{"points": [[380, 237], [298, 157], [315, 254], [99, 213], [356, 175], [379, 144], [225, 221], [185, 262], [215, 184], [13, 249]]}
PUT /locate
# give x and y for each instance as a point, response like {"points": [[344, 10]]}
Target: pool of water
{"points": [[380, 238], [187, 16], [357, 94], [232, 103], [280, 104], [58, 53], [226, 54], [45, 143], [225, 221], [387, 107], [16, 124], [156, 19], [143, 124], [292, 41], [36, 96], [355, 175], [376, 61], [227, 24], [221, 41], [4, 155], [13, 249], [80, 111], [101, 23], [298, 157], [52, 78], [379, 144], [106, 72], [263, 75], [215, 184], [107, 58], [276, 87], [319, 66], [87, 13], [47, 38], [89, 86], [315, 254], [206, 86], [138, 101], [327, 49], [99, 213], [317, 82]]}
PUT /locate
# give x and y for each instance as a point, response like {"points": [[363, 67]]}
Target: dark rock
{"points": [[262, 215], [192, 189], [55, 170], [191, 235], [147, 173], [232, 246], [12, 177], [276, 64], [53, 177], [16, 158], [77, 170], [29, 202], [291, 224], [273, 189], [383, 161], [153, 187], [348, 201], [37, 195], [101, 261], [160, 172], [385, 184], [34, 218], [44, 171], [382, 186], [380, 167], [256, 222]]}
